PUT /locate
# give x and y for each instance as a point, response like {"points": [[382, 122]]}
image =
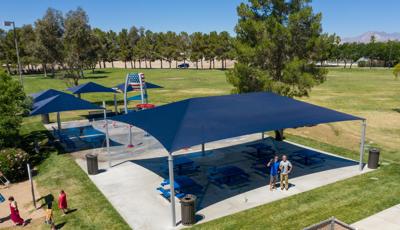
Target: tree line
{"points": [[372, 54], [68, 42]]}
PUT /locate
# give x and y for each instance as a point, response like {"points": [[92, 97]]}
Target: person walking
{"points": [[14, 216], [49, 214], [286, 167], [273, 173], [62, 202]]}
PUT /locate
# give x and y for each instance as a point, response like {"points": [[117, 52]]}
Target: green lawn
{"points": [[59, 171], [372, 94]]}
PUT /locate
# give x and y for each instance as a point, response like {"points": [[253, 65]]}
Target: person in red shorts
{"points": [[62, 202]]}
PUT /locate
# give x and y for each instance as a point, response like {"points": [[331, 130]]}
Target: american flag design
{"points": [[134, 81]]}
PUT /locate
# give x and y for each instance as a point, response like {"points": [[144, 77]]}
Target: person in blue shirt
{"points": [[274, 169]]}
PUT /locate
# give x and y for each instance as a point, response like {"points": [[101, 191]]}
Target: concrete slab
{"points": [[130, 185], [385, 220]]}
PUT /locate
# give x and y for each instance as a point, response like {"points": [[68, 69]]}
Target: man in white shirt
{"points": [[286, 167]]}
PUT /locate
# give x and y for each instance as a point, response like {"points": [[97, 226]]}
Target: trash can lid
{"points": [[91, 155], [188, 198]]}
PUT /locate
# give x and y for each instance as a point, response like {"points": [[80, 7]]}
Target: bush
{"points": [[13, 163]]}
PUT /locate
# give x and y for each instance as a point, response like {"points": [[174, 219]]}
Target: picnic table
{"points": [[308, 156], [226, 174], [180, 182], [260, 147], [183, 162]]}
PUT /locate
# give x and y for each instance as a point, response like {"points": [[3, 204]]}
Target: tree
{"points": [[112, 47], [27, 41], [275, 46], [133, 37], [13, 104], [78, 39], [125, 50], [183, 46], [197, 48], [49, 32], [102, 51]]}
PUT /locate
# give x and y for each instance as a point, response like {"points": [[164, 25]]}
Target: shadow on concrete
{"points": [[249, 161], [79, 138]]}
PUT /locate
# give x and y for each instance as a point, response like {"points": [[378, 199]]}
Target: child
{"points": [[62, 202], [15, 217], [49, 214]]}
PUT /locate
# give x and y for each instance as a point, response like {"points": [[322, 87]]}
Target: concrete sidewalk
{"points": [[388, 219]]}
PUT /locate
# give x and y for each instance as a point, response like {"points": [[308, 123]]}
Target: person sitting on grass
{"points": [[286, 167], [273, 175], [14, 216], [62, 202]]}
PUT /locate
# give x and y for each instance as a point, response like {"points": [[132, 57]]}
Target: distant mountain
{"points": [[366, 37]]}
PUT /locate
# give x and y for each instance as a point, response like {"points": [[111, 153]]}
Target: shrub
{"points": [[13, 163]]}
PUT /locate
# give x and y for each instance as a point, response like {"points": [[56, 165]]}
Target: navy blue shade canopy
{"points": [[45, 94], [60, 103], [200, 120], [90, 87], [148, 86]]}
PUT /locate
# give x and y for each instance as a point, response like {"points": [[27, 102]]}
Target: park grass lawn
{"points": [[59, 171], [372, 94]]}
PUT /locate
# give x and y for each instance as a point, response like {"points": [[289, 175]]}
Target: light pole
{"points": [[9, 23]]}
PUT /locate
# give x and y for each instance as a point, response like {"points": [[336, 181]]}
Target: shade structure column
{"points": [[115, 104], [203, 149], [172, 188], [107, 135], [58, 122], [362, 143]]}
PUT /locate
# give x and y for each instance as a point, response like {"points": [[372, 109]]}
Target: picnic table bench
{"points": [[308, 156], [184, 164], [227, 174], [262, 150], [182, 186]]}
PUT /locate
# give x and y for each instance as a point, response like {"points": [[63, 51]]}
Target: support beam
{"points": [[203, 149], [58, 122], [115, 104], [172, 188], [262, 136], [107, 135], [362, 143]]}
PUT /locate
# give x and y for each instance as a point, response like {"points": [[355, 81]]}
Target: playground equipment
{"points": [[136, 82]]}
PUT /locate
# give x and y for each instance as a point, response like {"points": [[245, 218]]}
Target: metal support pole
{"points": [[262, 136], [363, 128], [58, 122], [31, 181], [172, 188], [107, 135], [115, 104], [203, 149], [125, 94], [141, 87]]}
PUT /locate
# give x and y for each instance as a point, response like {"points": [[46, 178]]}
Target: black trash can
{"points": [[45, 118], [373, 158], [92, 166], [188, 209]]}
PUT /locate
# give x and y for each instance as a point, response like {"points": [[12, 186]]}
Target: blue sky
{"points": [[343, 17]]}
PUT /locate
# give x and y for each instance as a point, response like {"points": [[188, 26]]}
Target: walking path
{"points": [[387, 219]]}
